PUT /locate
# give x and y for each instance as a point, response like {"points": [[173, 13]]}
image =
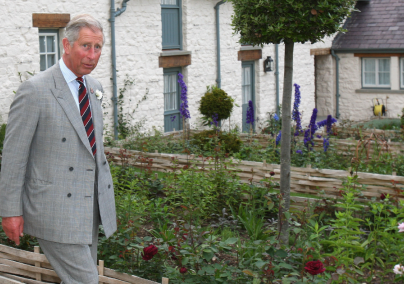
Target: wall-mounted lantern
{"points": [[268, 64]]}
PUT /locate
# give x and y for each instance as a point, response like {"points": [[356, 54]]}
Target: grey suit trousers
{"points": [[75, 264]]}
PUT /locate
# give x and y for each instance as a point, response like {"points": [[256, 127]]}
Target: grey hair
{"points": [[80, 21]]}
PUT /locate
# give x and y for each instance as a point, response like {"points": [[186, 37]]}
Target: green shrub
{"points": [[205, 140], [216, 101]]}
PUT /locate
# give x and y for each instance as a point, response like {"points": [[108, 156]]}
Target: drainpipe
{"points": [[277, 77], [218, 78], [115, 14], [337, 59]]}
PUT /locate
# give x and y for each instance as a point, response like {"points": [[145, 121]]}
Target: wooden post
{"points": [[101, 269], [394, 173], [156, 151], [38, 276], [165, 281], [264, 163]]}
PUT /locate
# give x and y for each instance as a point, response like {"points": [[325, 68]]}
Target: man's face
{"points": [[82, 57]]}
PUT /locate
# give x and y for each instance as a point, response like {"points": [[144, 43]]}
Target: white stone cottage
{"points": [[363, 64], [154, 41]]}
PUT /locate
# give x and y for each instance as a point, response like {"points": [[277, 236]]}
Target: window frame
{"points": [[376, 86], [49, 32], [401, 72], [170, 71], [180, 30]]}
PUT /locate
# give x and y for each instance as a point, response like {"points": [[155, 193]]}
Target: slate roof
{"points": [[379, 25]]}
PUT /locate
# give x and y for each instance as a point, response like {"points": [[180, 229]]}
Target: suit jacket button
{"points": [[109, 186], [63, 139], [71, 169], [69, 195]]}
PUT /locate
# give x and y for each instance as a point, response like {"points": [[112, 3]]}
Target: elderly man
{"points": [[55, 180]]}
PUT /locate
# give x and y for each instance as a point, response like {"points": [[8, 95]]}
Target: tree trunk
{"points": [[285, 143]]}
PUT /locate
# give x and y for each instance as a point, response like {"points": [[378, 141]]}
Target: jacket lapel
{"points": [[64, 96]]}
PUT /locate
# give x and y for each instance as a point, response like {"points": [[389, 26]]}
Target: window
{"points": [[376, 72], [171, 17], [172, 118], [248, 91], [402, 73], [48, 48]]}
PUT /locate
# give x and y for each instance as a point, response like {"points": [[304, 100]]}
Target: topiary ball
{"points": [[216, 101]]}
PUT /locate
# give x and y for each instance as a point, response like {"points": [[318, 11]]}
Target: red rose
{"points": [[383, 196], [272, 173], [314, 267], [183, 270], [149, 252]]}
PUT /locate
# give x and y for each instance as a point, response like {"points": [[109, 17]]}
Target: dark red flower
{"points": [[272, 173], [149, 252], [314, 267], [183, 270], [383, 196]]}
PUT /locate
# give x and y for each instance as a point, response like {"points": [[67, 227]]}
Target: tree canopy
{"points": [[273, 21]]}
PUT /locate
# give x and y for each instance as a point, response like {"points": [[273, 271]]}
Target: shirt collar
{"points": [[67, 73]]}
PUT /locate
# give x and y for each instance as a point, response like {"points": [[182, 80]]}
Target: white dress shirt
{"points": [[70, 78]]}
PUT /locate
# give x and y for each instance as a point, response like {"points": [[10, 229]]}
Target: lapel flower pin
{"points": [[98, 94]]}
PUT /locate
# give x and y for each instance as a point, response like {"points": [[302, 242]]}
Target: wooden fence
{"points": [[345, 146], [321, 182], [19, 266]]}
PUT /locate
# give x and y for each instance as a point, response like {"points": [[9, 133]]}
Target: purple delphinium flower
{"points": [[327, 122], [250, 113], [172, 118], [276, 117], [299, 152], [296, 115], [278, 137], [184, 100], [318, 136], [308, 134], [326, 143], [215, 121]]}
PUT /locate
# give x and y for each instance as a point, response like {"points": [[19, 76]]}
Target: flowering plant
{"points": [[296, 115], [98, 94], [250, 113], [149, 252], [184, 97], [314, 267]]}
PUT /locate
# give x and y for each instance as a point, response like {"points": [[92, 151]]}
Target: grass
{"points": [[385, 123]]}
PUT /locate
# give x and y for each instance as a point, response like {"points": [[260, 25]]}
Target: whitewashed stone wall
{"points": [[138, 46], [355, 103]]}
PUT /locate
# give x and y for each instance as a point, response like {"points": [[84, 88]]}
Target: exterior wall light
{"points": [[268, 64]]}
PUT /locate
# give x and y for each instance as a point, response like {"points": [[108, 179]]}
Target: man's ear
{"points": [[66, 45]]}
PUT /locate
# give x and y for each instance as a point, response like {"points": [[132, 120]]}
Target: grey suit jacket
{"points": [[48, 171]]}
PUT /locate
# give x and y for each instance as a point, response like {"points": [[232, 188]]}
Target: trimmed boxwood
{"points": [[205, 141], [216, 101]]}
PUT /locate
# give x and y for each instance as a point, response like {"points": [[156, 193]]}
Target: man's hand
{"points": [[13, 227]]}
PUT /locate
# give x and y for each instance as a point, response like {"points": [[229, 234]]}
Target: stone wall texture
{"points": [[138, 47]]}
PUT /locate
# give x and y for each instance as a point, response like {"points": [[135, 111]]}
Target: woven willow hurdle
{"points": [[19, 266], [321, 182]]}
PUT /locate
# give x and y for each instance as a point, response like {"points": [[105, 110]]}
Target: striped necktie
{"points": [[85, 112]]}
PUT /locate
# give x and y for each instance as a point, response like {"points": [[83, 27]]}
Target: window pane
{"points": [[246, 83], [384, 65], [50, 44], [370, 78], [370, 65], [170, 92], [42, 44], [384, 78], [169, 2], [51, 60], [43, 63]]}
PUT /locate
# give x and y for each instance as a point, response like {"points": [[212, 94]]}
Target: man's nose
{"points": [[91, 53]]}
